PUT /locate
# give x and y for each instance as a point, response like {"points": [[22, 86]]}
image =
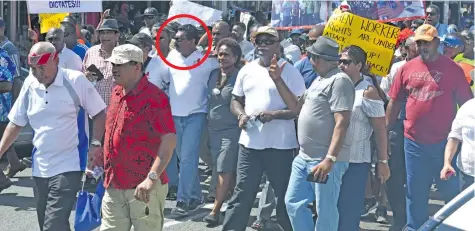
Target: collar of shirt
{"points": [[58, 80], [103, 53], [136, 90]]}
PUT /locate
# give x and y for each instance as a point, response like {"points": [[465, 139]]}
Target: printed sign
{"points": [[385, 11], [79, 6], [376, 38], [290, 14], [48, 21], [207, 14]]}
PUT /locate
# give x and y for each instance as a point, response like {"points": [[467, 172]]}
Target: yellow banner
{"points": [[376, 38], [48, 21]]}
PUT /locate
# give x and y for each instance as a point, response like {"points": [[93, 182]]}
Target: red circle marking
{"points": [[203, 24]]}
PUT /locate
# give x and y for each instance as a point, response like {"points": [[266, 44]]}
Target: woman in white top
{"points": [[367, 116], [463, 130]]}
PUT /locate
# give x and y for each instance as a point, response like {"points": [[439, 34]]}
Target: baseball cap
{"points": [[141, 39], [426, 32], [452, 41], [151, 11], [267, 30], [126, 53], [296, 31]]}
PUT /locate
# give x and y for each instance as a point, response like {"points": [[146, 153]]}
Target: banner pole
{"points": [[28, 13]]}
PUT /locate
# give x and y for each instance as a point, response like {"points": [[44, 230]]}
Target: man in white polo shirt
{"points": [[67, 58], [268, 138], [188, 101], [55, 102]]}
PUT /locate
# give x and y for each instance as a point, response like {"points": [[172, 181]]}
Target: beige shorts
{"points": [[120, 210]]}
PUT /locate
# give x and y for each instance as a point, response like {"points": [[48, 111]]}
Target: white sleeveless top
{"points": [[360, 130]]}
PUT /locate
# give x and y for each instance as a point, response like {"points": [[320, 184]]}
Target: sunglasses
{"points": [[431, 14], [260, 42], [148, 17], [178, 39], [346, 61]]}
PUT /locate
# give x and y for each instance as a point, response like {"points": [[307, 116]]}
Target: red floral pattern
{"points": [[135, 122]]}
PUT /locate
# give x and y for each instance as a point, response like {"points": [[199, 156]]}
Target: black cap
{"points": [[141, 39], [151, 11], [69, 19]]}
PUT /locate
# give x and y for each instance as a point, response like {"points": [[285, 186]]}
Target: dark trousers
{"points": [[55, 198], [277, 164], [351, 199], [395, 189]]}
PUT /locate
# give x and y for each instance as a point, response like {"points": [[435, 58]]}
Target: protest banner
{"points": [[207, 14], [78, 6], [48, 21], [376, 38], [387, 10]]}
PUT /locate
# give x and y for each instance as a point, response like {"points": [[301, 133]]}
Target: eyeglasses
{"points": [[148, 17], [260, 42], [346, 61], [178, 39], [431, 13]]}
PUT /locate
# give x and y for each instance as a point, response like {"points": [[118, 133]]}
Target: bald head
{"points": [[42, 48], [220, 30], [315, 32], [56, 37]]}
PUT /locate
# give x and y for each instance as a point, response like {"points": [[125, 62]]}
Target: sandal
{"points": [[259, 224]]}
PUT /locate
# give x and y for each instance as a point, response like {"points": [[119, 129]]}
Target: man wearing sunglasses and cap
{"points": [[324, 115], [432, 86], [150, 17], [268, 137]]}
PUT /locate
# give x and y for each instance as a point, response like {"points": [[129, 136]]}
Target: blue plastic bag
{"points": [[88, 209]]}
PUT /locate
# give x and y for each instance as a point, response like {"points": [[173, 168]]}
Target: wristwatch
{"points": [[332, 158], [96, 143], [383, 161], [152, 176]]}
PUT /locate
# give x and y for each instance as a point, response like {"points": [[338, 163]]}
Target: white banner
{"points": [[78, 6], [208, 15]]}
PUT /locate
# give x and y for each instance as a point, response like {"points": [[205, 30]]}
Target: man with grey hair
{"points": [[324, 116], [55, 102]]}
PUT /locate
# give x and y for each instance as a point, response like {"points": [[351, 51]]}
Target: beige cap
{"points": [[267, 30], [126, 53], [426, 32]]}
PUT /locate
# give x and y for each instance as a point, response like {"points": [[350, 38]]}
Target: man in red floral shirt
{"points": [[138, 144]]}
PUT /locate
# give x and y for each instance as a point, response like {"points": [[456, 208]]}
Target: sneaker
{"points": [[381, 215], [195, 204], [181, 209], [28, 161], [212, 219], [369, 204], [172, 193]]}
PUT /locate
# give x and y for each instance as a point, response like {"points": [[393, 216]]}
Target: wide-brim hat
{"points": [[326, 48], [109, 24]]}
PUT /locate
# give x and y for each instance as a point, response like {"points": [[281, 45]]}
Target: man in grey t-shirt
{"points": [[324, 115]]}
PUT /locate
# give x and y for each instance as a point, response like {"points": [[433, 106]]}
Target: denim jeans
{"points": [[423, 165], [300, 193], [188, 133], [351, 200]]}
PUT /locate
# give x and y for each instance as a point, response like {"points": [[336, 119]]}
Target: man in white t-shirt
{"points": [[188, 101], [67, 58], [55, 102], [268, 139]]}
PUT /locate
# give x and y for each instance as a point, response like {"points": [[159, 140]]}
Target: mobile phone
{"points": [[96, 70], [310, 178]]}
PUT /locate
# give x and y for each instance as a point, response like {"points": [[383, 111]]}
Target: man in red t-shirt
{"points": [[139, 142], [434, 85]]}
